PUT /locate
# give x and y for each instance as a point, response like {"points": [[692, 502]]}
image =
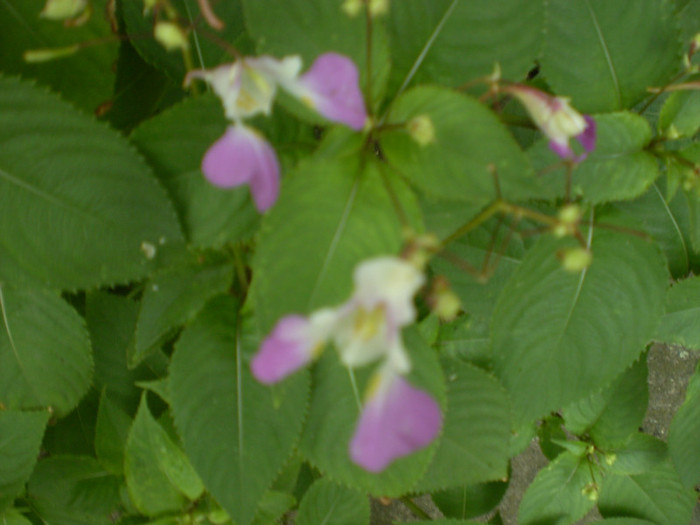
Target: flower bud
{"points": [[352, 8], [575, 259], [421, 129], [610, 459], [443, 300], [63, 9], [170, 36], [569, 217], [591, 491]]}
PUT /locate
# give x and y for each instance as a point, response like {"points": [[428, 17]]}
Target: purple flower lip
{"points": [[241, 156], [398, 420]]}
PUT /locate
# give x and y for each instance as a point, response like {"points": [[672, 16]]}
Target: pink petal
{"points": [[397, 421], [333, 87], [288, 348], [242, 156], [588, 137], [562, 150]]}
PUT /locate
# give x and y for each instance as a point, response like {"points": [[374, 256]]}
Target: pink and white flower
{"points": [[398, 419], [557, 120], [247, 87]]}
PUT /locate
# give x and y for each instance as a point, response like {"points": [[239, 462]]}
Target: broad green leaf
{"points": [[551, 436], [237, 432], [331, 215], [447, 522], [334, 412], [466, 339], [173, 297], [612, 414], [111, 320], [272, 507], [174, 143], [20, 438], [470, 147], [683, 441], [622, 521], [681, 322], [332, 504], [13, 517], [470, 501], [111, 433], [74, 434], [85, 78], [451, 42], [617, 169], [641, 454], [657, 496], [667, 222], [561, 493], [140, 90], [45, 356], [680, 114], [310, 28], [554, 331], [474, 443], [494, 260], [603, 63], [74, 490], [78, 207], [158, 474], [206, 51]]}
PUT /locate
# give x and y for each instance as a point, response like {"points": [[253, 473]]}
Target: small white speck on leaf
{"points": [[148, 250]]}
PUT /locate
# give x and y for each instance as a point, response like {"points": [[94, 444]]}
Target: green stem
{"points": [[240, 269], [413, 507]]}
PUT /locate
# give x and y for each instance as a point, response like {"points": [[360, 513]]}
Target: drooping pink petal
{"points": [[588, 137], [332, 87], [288, 348], [398, 420], [242, 156], [563, 150]]}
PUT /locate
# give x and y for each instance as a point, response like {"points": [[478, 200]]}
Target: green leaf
{"points": [[604, 64], [74, 490], [111, 433], [656, 495], [561, 493], [85, 78], [470, 501], [111, 320], [237, 432], [667, 222], [158, 474], [20, 438], [74, 434], [452, 42], [173, 297], [641, 454], [206, 51], [466, 339], [140, 90], [683, 441], [174, 143], [334, 412], [469, 146], [681, 322], [476, 431], [618, 168], [310, 28], [622, 521], [78, 208], [331, 215], [680, 114], [331, 504], [611, 415], [13, 517], [553, 330], [45, 356], [272, 507]]}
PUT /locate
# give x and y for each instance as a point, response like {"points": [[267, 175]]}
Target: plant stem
{"points": [[413, 507]]}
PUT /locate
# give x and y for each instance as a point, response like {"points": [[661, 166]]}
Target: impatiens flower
{"points": [[558, 120], [397, 420], [242, 156]]}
